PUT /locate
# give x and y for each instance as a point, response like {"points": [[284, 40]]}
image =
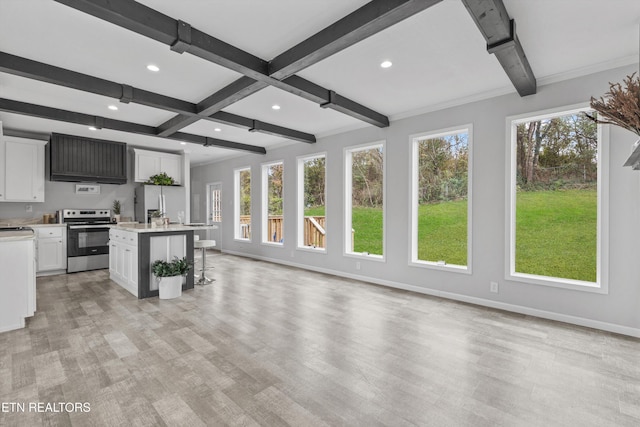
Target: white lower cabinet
{"points": [[51, 250], [123, 259]]}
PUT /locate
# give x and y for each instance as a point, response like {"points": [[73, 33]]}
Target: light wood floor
{"points": [[272, 345]]}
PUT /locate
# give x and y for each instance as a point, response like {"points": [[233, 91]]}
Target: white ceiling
{"points": [[439, 58]]}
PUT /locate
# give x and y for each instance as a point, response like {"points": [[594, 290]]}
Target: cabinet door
{"points": [[51, 254], [113, 256], [119, 260], [146, 165], [127, 261], [24, 171], [171, 165], [133, 279]]}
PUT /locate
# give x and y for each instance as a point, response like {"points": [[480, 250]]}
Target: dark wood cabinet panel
{"points": [[76, 159]]}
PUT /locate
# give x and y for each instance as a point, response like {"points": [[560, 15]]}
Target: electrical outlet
{"points": [[494, 287], [357, 265], [29, 208]]}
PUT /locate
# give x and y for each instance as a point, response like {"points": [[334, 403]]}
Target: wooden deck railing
{"points": [[274, 228], [245, 226], [314, 232]]}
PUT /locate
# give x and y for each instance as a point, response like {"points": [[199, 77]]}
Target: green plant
{"points": [[160, 179], [177, 267], [157, 214], [116, 207]]}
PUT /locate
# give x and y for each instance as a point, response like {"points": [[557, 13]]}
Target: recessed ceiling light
{"points": [[92, 128], [183, 143], [112, 107], [218, 129], [153, 68], [386, 64], [275, 107]]}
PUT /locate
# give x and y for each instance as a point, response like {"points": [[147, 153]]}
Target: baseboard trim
{"points": [[549, 315]]}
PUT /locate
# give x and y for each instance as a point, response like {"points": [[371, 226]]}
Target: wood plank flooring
{"points": [[274, 346]]}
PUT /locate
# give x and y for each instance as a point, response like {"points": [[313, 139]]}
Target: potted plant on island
{"points": [[116, 210], [169, 275]]}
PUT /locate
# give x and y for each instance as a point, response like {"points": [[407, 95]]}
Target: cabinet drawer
{"points": [[125, 237], [45, 232]]}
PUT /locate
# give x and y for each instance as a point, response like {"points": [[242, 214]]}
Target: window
{"points": [[440, 226], [272, 203], [557, 203], [364, 200], [312, 198], [242, 204], [216, 202]]}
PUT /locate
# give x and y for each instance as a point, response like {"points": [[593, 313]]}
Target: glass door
{"points": [[214, 210]]}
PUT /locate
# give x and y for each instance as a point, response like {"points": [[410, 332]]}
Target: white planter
{"points": [[170, 287]]}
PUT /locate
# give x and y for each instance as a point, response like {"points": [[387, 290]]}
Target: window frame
{"points": [[601, 284], [413, 199], [236, 204], [300, 161], [348, 189], [264, 202]]}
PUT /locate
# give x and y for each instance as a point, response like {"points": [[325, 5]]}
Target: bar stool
{"points": [[204, 244]]}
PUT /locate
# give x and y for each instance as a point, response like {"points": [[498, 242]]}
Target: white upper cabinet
{"points": [[149, 163], [21, 170]]}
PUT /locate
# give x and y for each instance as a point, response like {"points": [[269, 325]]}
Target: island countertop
{"points": [[147, 228]]}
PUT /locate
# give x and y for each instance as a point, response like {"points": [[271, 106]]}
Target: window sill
{"points": [[273, 244], [242, 240], [369, 257], [312, 249], [575, 285], [443, 267]]}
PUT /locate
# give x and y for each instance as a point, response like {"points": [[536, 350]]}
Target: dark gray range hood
{"points": [[78, 159]]}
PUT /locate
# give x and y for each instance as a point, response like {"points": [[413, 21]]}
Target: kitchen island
{"points": [[18, 283], [134, 247]]}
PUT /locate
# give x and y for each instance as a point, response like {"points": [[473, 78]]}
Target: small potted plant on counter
{"points": [[116, 210], [169, 275]]}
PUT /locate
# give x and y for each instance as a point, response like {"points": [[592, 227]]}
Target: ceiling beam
{"points": [[33, 110], [23, 67], [181, 37], [499, 31], [226, 96], [178, 34], [262, 127], [364, 22]]}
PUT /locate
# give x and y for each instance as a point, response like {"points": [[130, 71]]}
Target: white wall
{"points": [[619, 310]]}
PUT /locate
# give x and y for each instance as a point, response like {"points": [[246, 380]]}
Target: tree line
{"points": [[556, 153]]}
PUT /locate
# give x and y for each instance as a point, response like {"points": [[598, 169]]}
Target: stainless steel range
{"points": [[87, 238]]}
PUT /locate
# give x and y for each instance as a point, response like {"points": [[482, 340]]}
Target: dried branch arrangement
{"points": [[621, 105]]}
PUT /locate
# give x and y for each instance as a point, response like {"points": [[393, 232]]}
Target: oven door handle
{"points": [[78, 227]]}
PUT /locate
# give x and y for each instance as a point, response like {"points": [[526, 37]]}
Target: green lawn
{"points": [[555, 232], [442, 232]]}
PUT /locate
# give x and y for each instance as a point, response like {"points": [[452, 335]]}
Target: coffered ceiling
{"points": [[438, 51]]}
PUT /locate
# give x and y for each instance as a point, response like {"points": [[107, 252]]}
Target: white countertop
{"points": [[146, 228], [26, 224], [16, 235]]}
